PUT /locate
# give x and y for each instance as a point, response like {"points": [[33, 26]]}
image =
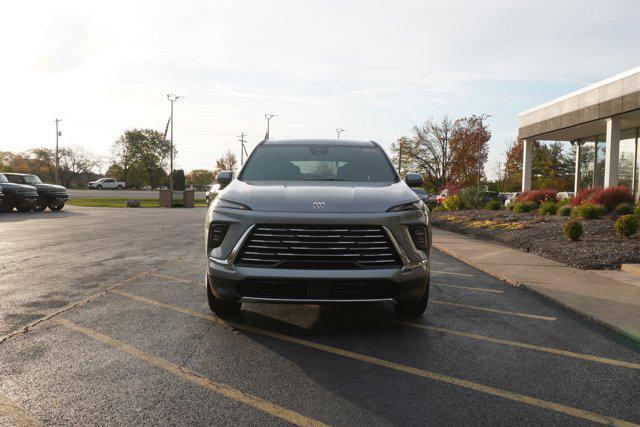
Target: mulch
{"points": [[600, 248]]}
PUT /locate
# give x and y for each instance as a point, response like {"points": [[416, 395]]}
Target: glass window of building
{"points": [[627, 158], [601, 153], [587, 161]]}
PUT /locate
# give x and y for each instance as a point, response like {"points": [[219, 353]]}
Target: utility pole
{"points": [[172, 98], [57, 157], [268, 116], [399, 155], [242, 149], [339, 131]]}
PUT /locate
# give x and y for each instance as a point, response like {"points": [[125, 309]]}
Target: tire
{"points": [[413, 308], [99, 187], [119, 187], [56, 207], [220, 307], [39, 207], [6, 207], [24, 208]]}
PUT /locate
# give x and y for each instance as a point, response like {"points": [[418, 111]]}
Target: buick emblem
{"points": [[319, 205]]}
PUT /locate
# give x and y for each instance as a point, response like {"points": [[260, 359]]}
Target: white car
{"points": [[107, 184]]}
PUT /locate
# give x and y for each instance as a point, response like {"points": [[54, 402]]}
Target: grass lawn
{"points": [[121, 202]]}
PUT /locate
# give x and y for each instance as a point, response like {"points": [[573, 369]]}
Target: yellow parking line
{"points": [[516, 397], [452, 273], [494, 310], [15, 414], [177, 279], [517, 344], [467, 288], [186, 374]]}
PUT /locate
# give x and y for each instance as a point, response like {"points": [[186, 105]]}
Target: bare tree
{"points": [[75, 161], [227, 162]]}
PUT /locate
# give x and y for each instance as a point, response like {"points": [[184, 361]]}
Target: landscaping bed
{"points": [[599, 248], [121, 202]]}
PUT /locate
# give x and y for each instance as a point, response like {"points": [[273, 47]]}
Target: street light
{"points": [[172, 98], [339, 131], [268, 116], [482, 117]]}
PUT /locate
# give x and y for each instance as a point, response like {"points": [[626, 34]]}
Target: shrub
{"points": [[523, 207], [451, 187], [588, 211], [564, 210], [636, 211], [582, 196], [623, 209], [612, 197], [548, 208], [451, 203], [626, 225], [494, 205], [471, 197], [572, 229], [538, 196]]}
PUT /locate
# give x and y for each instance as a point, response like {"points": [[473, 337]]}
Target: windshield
{"points": [[3, 178], [32, 179], [318, 163]]}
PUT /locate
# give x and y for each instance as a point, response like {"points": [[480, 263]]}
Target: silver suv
{"points": [[318, 221]]}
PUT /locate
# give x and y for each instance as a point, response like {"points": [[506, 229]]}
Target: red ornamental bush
{"points": [[612, 197], [583, 195], [538, 196]]}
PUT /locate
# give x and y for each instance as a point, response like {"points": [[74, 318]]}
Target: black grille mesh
{"points": [[318, 246]]}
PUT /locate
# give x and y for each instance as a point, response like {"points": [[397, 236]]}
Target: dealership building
{"points": [[602, 121]]}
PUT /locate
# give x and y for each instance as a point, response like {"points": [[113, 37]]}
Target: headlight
{"points": [[413, 206], [227, 204]]}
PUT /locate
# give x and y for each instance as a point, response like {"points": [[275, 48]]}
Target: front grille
{"points": [[317, 289], [318, 246]]}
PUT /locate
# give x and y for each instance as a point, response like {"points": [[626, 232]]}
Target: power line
{"points": [[242, 149]]}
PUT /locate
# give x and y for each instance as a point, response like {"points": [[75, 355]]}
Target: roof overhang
{"points": [[583, 113]]}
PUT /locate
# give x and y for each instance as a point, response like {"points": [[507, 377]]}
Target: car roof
{"points": [[319, 142], [16, 173]]}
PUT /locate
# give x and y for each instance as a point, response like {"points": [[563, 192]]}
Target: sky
{"points": [[374, 68]]}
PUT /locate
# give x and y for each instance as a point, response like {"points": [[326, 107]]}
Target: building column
{"points": [[527, 154], [613, 153], [576, 181]]}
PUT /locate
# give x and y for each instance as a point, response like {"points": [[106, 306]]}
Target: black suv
{"points": [[52, 196], [19, 196]]}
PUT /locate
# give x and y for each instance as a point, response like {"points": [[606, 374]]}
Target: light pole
{"points": [[339, 131], [269, 116], [482, 117], [172, 98], [57, 157]]}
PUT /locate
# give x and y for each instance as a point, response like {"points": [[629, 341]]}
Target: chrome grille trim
{"points": [[319, 246]]}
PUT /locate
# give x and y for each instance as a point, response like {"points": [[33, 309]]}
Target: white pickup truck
{"points": [[107, 184]]}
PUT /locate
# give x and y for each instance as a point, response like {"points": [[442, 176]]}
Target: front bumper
{"points": [[240, 283]]}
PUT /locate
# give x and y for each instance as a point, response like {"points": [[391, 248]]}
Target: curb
{"points": [[631, 337]]}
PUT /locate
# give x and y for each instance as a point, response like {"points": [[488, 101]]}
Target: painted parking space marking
{"points": [[177, 279], [512, 396], [15, 414], [467, 288], [494, 310], [188, 375], [516, 344], [452, 273]]}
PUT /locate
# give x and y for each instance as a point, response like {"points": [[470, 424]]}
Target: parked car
{"points": [[1, 198], [487, 196], [565, 195], [50, 196], [107, 184], [212, 192], [293, 227], [509, 198], [146, 188], [19, 196]]}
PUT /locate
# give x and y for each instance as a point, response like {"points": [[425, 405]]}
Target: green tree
{"points": [[199, 178], [142, 154], [178, 180]]}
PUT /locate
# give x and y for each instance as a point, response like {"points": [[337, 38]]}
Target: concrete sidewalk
{"points": [[611, 303]]}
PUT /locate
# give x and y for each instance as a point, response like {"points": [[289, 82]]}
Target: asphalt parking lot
{"points": [[104, 320]]}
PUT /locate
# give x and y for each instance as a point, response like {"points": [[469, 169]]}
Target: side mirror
{"points": [[224, 178], [414, 180]]}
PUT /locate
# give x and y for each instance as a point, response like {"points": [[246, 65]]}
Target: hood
{"points": [[51, 188], [9, 186], [338, 197]]}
